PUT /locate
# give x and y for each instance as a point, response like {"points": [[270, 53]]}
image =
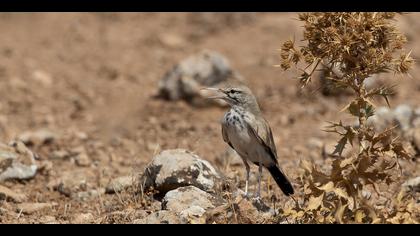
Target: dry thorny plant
{"points": [[353, 47]]}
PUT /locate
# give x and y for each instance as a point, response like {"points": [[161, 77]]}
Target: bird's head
{"points": [[235, 96]]}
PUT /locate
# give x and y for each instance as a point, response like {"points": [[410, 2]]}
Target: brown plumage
{"points": [[249, 134]]}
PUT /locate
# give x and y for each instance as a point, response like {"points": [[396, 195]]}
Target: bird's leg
{"points": [[259, 179], [248, 170]]}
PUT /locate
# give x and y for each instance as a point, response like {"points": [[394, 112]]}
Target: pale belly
{"points": [[245, 144]]}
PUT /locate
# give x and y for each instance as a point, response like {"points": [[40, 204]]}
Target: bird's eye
{"points": [[234, 91]]}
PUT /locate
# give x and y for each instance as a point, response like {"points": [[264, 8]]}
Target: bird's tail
{"points": [[281, 180]]}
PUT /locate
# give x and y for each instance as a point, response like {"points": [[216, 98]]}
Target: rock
{"points": [[38, 137], [18, 171], [80, 156], [16, 162], [8, 194], [87, 195], [190, 203], [205, 69], [412, 184], [403, 115], [119, 184], [82, 159], [159, 217], [82, 218], [176, 168], [30, 208], [70, 182]]}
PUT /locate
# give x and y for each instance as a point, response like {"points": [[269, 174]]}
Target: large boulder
{"points": [[176, 168], [204, 69]]}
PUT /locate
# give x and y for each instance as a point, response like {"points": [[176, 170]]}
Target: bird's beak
{"points": [[222, 94]]}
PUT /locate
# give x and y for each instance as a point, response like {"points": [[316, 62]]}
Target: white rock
{"points": [[190, 203], [177, 168], [18, 171], [17, 162]]}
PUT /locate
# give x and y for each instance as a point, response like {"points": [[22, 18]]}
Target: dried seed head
{"points": [[404, 63], [362, 44]]}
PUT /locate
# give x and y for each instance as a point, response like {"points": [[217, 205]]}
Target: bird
{"points": [[246, 131]]}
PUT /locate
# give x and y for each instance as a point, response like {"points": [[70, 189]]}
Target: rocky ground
{"points": [[99, 125]]}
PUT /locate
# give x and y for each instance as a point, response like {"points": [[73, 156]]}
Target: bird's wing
{"points": [[226, 137], [261, 130]]}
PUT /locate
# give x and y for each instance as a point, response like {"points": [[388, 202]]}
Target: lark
{"points": [[246, 131]]}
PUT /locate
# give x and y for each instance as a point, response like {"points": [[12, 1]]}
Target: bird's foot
{"points": [[244, 194]]}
